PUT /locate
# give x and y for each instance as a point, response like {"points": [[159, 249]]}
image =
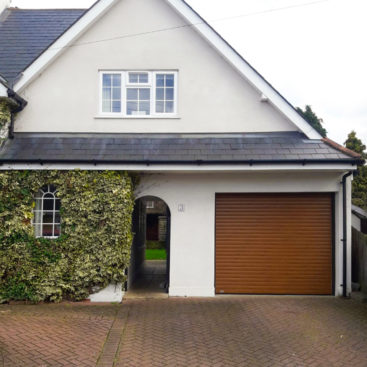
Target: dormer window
{"points": [[138, 93]]}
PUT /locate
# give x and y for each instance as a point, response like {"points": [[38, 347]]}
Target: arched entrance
{"points": [[148, 274]]}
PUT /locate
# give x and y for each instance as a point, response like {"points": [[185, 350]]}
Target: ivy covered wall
{"points": [[93, 249], [5, 115]]}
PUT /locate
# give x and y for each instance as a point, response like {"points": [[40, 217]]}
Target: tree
{"points": [[312, 119], [355, 144], [359, 189]]}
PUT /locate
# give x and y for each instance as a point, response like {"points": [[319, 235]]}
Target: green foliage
{"points": [[155, 245], [4, 113], [355, 144], [93, 250], [359, 189], [312, 119]]}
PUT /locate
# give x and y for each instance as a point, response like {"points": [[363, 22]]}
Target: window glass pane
{"points": [[160, 80], [169, 107], [57, 230], [107, 80], [145, 107], [48, 204], [170, 94], [116, 93], [47, 230], [57, 218], [58, 204], [160, 94], [170, 80], [116, 80], [106, 106], [131, 107], [48, 217], [133, 77], [132, 94], [49, 196], [143, 78], [159, 107], [144, 94], [106, 93], [116, 106], [138, 78]]}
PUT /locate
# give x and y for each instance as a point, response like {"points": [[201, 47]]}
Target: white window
{"points": [[165, 93], [111, 93], [47, 221], [138, 93]]}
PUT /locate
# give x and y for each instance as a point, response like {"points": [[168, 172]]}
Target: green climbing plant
{"points": [[93, 249]]}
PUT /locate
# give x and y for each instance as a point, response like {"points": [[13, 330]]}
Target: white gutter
{"points": [[182, 168]]}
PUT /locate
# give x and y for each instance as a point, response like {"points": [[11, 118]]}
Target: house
{"points": [[258, 201]]}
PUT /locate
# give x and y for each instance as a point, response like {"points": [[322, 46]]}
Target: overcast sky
{"points": [[312, 54]]}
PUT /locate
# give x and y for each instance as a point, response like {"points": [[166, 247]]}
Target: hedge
{"points": [[93, 249]]}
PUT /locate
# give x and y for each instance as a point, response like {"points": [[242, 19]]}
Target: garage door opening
{"points": [[274, 244], [149, 265]]}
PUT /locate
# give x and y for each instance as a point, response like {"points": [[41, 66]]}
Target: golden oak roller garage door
{"points": [[274, 243]]}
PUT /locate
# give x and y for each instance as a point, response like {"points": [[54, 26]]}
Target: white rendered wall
{"points": [[192, 231], [212, 96], [349, 235]]}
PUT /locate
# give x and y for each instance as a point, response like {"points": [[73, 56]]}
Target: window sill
{"points": [[49, 237], [142, 117]]}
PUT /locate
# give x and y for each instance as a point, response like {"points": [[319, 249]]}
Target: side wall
{"points": [[191, 198]]}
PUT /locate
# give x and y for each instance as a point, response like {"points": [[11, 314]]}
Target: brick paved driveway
{"points": [[224, 331]]}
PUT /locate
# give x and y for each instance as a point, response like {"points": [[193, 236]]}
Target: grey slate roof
{"points": [[26, 33], [169, 148]]}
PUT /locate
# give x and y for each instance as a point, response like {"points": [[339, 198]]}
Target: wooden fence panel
{"points": [[359, 259]]}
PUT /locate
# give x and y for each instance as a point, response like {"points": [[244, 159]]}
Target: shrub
{"points": [[93, 249]]}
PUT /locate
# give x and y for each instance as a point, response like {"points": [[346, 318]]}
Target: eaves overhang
{"points": [[331, 165]]}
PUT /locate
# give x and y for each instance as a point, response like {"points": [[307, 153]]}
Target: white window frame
{"points": [[101, 93], [127, 85], [42, 210], [151, 84]]}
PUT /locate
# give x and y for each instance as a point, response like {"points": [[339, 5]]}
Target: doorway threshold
{"points": [[150, 282]]}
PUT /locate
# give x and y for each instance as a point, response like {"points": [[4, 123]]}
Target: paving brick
{"points": [[221, 331], [245, 331], [53, 335]]}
